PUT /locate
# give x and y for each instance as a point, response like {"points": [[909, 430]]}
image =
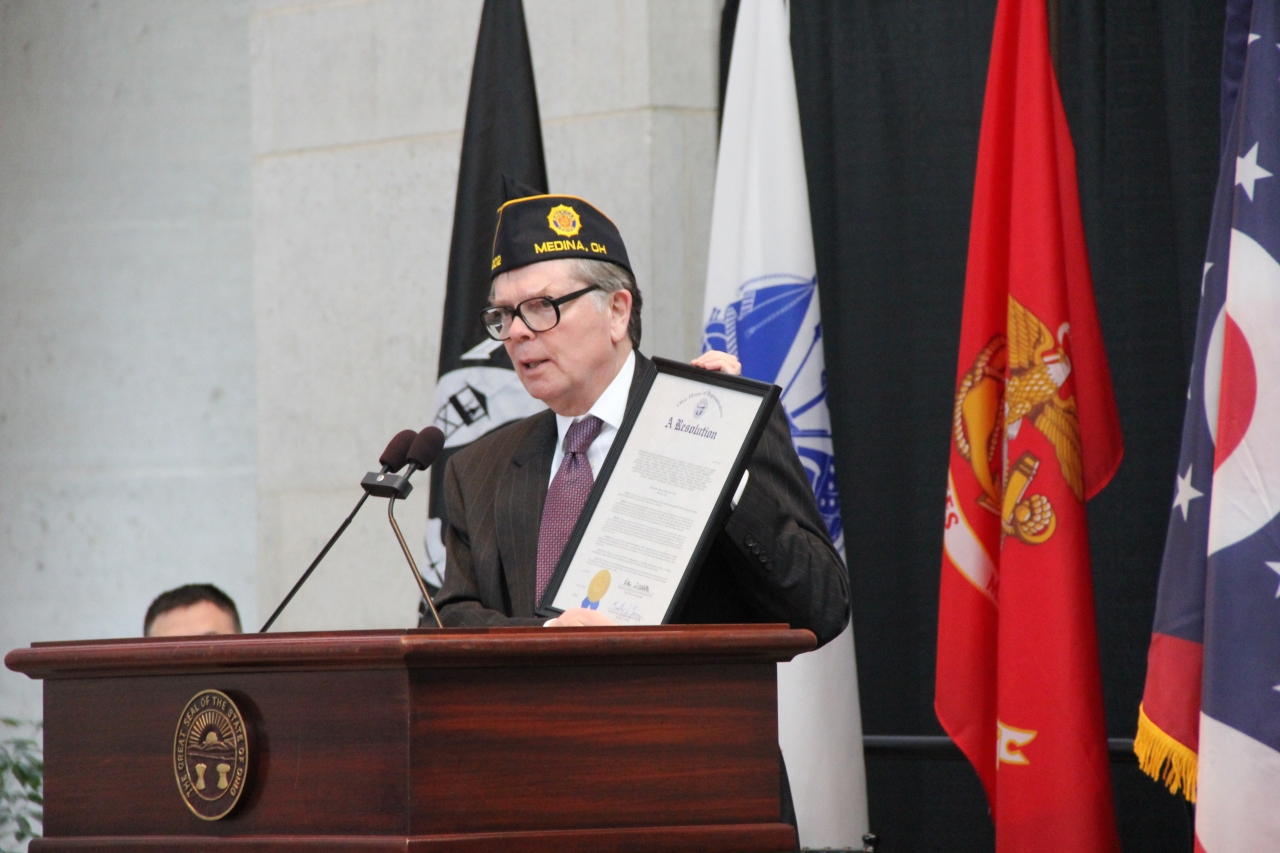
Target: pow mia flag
{"points": [[477, 391]]}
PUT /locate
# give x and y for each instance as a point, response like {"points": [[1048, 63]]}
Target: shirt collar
{"points": [[612, 404]]}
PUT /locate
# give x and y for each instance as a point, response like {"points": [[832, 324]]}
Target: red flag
{"points": [[1035, 433]]}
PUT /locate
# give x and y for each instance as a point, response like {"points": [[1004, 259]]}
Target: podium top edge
{"points": [[412, 649]]}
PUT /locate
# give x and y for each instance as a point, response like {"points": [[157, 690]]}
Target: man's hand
{"points": [[721, 361], [580, 617]]}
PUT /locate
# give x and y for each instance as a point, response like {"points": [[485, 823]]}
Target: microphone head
{"points": [[397, 451], [426, 447]]}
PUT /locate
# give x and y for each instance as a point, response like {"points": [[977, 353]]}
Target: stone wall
{"points": [[126, 316]]}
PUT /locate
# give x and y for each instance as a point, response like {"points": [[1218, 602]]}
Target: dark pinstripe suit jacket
{"points": [[772, 561]]}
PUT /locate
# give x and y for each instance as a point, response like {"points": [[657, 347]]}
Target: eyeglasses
{"points": [[540, 314]]}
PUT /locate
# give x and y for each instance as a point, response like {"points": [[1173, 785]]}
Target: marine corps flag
{"points": [[478, 391], [1035, 434]]}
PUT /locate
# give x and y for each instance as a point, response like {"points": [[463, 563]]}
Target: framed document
{"points": [[662, 495]]}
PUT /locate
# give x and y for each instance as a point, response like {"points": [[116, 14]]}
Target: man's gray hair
{"points": [[610, 278]]}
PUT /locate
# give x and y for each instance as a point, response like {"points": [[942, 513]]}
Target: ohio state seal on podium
{"points": [[211, 754]]}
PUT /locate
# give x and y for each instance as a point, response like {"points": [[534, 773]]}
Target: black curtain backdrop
{"points": [[891, 101]]}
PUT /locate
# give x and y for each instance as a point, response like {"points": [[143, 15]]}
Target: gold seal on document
{"points": [[211, 754], [596, 589]]}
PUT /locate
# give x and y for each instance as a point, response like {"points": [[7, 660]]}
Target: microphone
{"points": [[421, 450], [425, 450], [393, 458]]}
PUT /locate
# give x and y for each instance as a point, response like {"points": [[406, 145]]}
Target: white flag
{"points": [[762, 306]]}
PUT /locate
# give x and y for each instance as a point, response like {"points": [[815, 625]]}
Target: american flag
{"points": [[1210, 718]]}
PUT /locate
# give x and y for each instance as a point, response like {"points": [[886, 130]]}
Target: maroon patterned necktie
{"points": [[566, 497]]}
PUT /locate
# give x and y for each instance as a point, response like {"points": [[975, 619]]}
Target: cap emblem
{"points": [[564, 220]]}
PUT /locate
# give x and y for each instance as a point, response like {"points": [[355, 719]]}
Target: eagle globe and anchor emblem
{"points": [[211, 755], [1014, 379], [775, 330]]}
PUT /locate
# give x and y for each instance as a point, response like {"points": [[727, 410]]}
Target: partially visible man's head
{"points": [[191, 610]]}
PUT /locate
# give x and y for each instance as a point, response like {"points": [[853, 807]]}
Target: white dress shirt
{"points": [[610, 409]]}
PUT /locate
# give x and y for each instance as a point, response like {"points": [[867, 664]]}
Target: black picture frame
{"points": [[769, 395]]}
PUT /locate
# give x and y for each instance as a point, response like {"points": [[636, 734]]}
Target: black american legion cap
{"points": [[549, 227]]}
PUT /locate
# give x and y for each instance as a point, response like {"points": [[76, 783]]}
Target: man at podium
{"points": [[565, 304]]}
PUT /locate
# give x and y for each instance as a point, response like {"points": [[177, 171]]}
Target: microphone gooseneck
{"points": [[425, 449], [392, 459]]}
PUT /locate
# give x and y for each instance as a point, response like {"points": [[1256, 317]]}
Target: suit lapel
{"points": [[642, 364], [522, 490]]}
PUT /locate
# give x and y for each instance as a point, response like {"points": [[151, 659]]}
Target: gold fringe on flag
{"points": [[1163, 758]]}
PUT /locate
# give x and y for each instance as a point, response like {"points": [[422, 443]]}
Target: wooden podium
{"points": [[510, 739]]}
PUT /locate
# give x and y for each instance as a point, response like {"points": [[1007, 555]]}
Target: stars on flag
{"points": [[1275, 567], [1248, 172], [1186, 493]]}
